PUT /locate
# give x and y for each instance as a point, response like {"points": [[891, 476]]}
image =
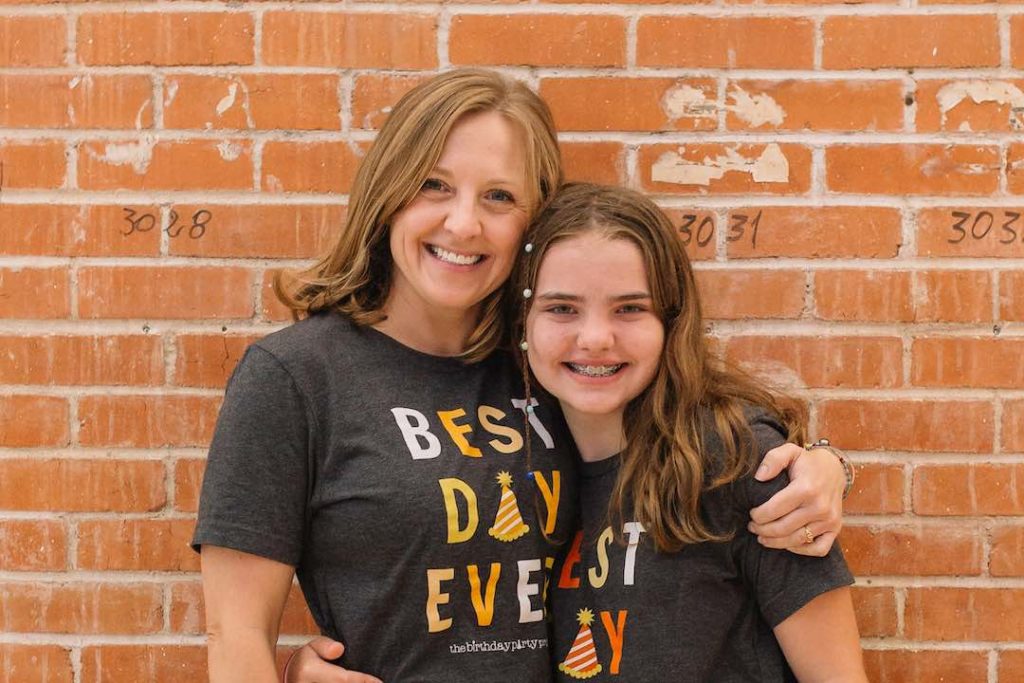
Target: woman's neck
{"points": [[597, 437], [438, 332]]}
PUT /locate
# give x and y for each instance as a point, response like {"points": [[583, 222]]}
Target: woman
{"points": [[669, 438], [370, 446]]}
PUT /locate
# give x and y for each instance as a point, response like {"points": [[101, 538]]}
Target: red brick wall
{"points": [[847, 176]]}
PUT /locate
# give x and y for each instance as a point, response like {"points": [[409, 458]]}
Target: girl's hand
{"points": [[308, 665], [811, 506]]}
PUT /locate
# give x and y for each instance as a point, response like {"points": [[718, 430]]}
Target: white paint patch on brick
{"points": [[756, 110], [142, 109], [979, 91], [685, 101], [170, 92], [229, 151], [771, 166], [137, 154], [228, 100]]}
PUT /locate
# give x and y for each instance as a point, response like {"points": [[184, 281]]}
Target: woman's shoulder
{"points": [[321, 339]]}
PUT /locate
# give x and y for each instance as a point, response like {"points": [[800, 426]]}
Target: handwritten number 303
{"points": [[982, 225], [147, 221]]}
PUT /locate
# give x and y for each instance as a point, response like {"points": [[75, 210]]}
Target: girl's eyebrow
{"points": [[562, 296]]}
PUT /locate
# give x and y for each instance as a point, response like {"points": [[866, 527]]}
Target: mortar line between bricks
{"points": [[888, 643]]}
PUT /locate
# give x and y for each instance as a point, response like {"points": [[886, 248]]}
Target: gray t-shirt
{"points": [[704, 614], [396, 483]]}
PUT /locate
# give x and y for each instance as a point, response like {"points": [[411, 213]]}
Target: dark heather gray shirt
{"points": [[396, 483], [704, 614]]}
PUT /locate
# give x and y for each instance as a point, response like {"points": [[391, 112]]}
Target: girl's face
{"points": [[455, 242], [594, 339]]}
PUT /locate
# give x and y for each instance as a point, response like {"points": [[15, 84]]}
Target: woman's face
{"points": [[594, 339], [455, 242]]}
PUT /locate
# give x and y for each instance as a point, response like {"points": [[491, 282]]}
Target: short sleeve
{"points": [[254, 492], [783, 581]]}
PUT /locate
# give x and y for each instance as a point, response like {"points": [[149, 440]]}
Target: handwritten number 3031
{"points": [[145, 222]]}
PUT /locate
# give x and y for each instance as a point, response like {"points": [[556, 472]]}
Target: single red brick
{"points": [[34, 421], [915, 550], [33, 40], [151, 663], [967, 362], [1017, 41], [255, 231], [1013, 426], [715, 168], [82, 485], [374, 94], [973, 489], [996, 232], [906, 425], [742, 294], [632, 104], [164, 293], [595, 162], [49, 298], [207, 360], [822, 361], [33, 607], [696, 229], [876, 611], [1011, 295], [309, 166], [796, 104], [913, 169], [878, 490], [952, 296], [110, 359], [136, 545], [965, 614], [72, 101], [906, 41], [357, 41], [1011, 662], [147, 421], [977, 105], [1007, 555], [538, 39], [80, 230], [725, 42], [166, 38], [33, 545], [904, 665], [873, 295], [814, 232], [37, 164], [166, 165], [188, 477], [36, 663], [253, 101]]}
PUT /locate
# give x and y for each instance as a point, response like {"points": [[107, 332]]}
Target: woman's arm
{"points": [[821, 642], [813, 500], [245, 596]]}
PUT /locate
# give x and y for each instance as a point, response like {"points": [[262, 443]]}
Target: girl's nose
{"points": [[595, 333]]}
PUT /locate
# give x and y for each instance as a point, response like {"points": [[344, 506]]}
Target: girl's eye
{"points": [[500, 196], [433, 185], [560, 309], [633, 308]]}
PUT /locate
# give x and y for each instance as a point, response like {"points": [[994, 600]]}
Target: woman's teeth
{"points": [[595, 370], [452, 257]]}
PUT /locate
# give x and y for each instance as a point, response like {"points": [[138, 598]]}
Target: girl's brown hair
{"points": [[666, 464], [355, 277]]}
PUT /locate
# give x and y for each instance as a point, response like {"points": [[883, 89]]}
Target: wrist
{"points": [[848, 470]]}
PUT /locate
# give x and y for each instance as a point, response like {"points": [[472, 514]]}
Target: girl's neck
{"points": [[438, 332], [597, 437]]}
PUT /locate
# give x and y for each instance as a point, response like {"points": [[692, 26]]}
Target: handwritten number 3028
{"points": [[145, 222]]}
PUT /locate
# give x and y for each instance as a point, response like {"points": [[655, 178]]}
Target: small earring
{"points": [[528, 247], [527, 293], [523, 345]]}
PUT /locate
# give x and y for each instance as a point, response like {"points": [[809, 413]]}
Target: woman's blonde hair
{"points": [[355, 277], [666, 464]]}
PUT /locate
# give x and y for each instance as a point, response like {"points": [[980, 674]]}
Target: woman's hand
{"points": [[308, 665], [810, 507]]}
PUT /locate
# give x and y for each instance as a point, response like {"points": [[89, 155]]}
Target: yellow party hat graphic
{"points": [[581, 662], [508, 523]]}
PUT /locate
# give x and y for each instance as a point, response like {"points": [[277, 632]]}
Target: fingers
{"points": [[822, 544], [784, 502], [325, 648], [776, 460]]}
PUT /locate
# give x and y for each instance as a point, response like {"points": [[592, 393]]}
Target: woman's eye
{"points": [[433, 185], [560, 309], [501, 196], [633, 308]]}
